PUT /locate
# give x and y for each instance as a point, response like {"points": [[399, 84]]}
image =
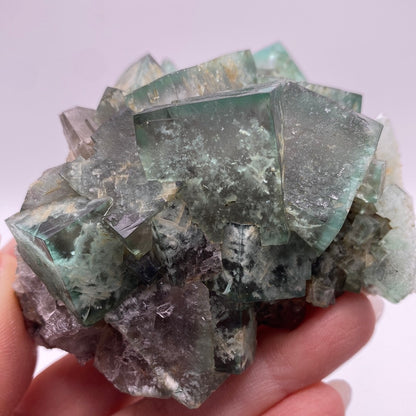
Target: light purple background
{"points": [[55, 55]]}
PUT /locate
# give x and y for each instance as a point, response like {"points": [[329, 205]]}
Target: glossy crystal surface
{"points": [[199, 203]]}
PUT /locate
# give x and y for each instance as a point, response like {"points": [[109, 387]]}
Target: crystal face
{"points": [[197, 204]]}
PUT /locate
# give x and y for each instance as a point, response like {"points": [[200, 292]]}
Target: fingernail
{"points": [[378, 305], [343, 389]]}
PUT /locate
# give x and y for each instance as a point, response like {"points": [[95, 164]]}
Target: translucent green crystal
{"points": [[327, 151], [78, 129], [253, 272], [392, 273], [168, 66], [388, 151], [110, 104], [140, 73], [347, 99], [81, 260], [222, 149], [373, 183], [135, 200], [342, 266], [228, 72], [275, 62], [181, 246], [48, 188]]}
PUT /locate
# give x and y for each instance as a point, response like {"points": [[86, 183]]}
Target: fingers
{"points": [[344, 390], [9, 248], [326, 340], [317, 400], [377, 303], [17, 350], [285, 362], [67, 388]]}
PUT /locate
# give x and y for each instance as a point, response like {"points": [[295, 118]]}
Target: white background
{"points": [[55, 55]]}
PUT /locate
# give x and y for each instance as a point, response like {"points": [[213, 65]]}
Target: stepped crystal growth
{"points": [[199, 203]]}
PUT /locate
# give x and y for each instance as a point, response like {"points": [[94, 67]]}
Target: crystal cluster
{"points": [[196, 204]]}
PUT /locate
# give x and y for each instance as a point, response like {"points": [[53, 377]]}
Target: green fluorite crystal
{"points": [[327, 151], [196, 204], [140, 73], [80, 259], [391, 273], [225, 151], [228, 72], [275, 62]]}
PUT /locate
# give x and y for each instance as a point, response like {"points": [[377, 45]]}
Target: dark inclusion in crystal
{"points": [[198, 204]]}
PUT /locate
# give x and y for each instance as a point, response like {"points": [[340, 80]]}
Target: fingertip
{"points": [[318, 399], [377, 303], [343, 389], [9, 248]]}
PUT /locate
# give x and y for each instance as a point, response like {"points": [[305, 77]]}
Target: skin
{"points": [[285, 378]]}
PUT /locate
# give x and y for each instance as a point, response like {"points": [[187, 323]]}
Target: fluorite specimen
{"points": [[199, 203]]}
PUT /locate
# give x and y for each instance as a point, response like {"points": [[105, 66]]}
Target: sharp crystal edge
{"points": [[199, 203]]}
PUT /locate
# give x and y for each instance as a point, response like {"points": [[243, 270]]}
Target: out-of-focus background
{"points": [[55, 55]]}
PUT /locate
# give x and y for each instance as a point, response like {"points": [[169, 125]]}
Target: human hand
{"points": [[285, 378]]}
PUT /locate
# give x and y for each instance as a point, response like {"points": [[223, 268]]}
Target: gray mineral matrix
{"points": [[196, 204]]}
